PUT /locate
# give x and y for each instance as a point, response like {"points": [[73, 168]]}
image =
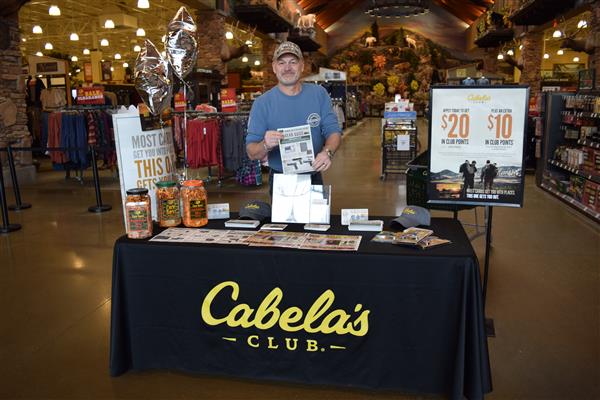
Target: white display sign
{"points": [[477, 145], [403, 142], [296, 200], [144, 157]]}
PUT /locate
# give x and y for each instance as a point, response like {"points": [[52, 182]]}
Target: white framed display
{"points": [[144, 157], [477, 145]]}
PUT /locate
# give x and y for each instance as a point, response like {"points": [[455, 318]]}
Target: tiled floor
{"points": [[55, 288]]}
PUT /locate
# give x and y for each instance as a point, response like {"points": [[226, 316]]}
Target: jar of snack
{"points": [[194, 199], [167, 203], [138, 213]]}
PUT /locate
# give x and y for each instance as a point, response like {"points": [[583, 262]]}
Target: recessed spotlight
{"points": [[104, 42], [244, 59], [74, 59], [500, 57], [74, 37], [256, 62], [109, 24], [54, 11], [37, 30], [140, 32], [546, 56], [143, 4], [48, 46], [117, 56], [86, 51]]}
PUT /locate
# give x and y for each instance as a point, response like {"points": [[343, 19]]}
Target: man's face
{"points": [[288, 68]]}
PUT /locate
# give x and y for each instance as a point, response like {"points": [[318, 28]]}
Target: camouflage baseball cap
{"points": [[287, 48]]}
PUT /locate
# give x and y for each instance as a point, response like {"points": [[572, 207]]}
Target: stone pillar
{"points": [[533, 44], [594, 59], [211, 38], [490, 61], [268, 48], [13, 113]]}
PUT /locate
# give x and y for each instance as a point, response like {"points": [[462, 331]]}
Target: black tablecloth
{"points": [[388, 317]]}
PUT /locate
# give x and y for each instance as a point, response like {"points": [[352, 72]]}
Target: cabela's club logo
{"points": [[320, 318]]}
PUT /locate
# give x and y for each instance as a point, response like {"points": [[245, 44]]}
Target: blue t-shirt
{"points": [[275, 110]]}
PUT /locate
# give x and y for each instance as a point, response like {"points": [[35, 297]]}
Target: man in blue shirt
{"points": [[292, 103]]}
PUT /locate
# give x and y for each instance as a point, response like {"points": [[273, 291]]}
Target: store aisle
{"points": [[55, 288]]}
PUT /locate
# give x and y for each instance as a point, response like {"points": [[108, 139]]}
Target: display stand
{"points": [[398, 142]]}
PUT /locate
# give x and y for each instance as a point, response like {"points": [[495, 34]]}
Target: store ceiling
{"points": [[86, 19], [329, 12]]}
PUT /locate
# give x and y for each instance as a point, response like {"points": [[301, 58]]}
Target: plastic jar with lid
{"points": [[194, 199], [138, 211], [167, 203]]}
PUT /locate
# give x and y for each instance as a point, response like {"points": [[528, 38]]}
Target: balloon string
{"points": [[185, 138]]}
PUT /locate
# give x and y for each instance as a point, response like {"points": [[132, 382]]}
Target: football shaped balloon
{"points": [[153, 79], [180, 44]]}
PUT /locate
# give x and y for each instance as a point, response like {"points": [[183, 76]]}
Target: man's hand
{"points": [[322, 162], [272, 138]]}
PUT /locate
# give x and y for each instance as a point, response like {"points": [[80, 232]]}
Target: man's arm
{"points": [[260, 150], [324, 159]]}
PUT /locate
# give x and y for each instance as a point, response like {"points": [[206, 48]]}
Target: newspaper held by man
{"points": [[296, 149]]}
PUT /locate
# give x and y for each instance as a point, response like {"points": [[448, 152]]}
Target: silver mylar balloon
{"points": [[181, 45], [153, 79]]}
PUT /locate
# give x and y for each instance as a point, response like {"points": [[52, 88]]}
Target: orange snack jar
{"points": [[194, 199], [138, 213], [167, 204]]}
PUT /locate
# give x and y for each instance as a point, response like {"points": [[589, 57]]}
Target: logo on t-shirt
{"points": [[313, 120]]}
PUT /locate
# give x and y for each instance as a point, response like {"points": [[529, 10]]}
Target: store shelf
{"points": [[581, 114], [495, 37], [538, 12], [265, 18], [306, 43], [576, 171], [572, 202], [589, 143]]}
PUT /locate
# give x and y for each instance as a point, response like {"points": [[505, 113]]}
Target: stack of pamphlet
{"points": [[415, 237]]}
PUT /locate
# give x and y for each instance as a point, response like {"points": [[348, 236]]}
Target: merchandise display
{"points": [[194, 200], [571, 166], [139, 214], [168, 204]]}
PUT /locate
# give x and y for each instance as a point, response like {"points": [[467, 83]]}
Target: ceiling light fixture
{"points": [[143, 4], [74, 59], [575, 59], [546, 56], [397, 8], [37, 30], [117, 56], [520, 47], [112, 68], [39, 54], [163, 38], [86, 51], [500, 56], [74, 37], [78, 70], [244, 59], [228, 35], [510, 52], [582, 24], [104, 42], [256, 62], [48, 46], [109, 24], [54, 11], [125, 65], [23, 40], [140, 32], [560, 52], [137, 48], [557, 33]]}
